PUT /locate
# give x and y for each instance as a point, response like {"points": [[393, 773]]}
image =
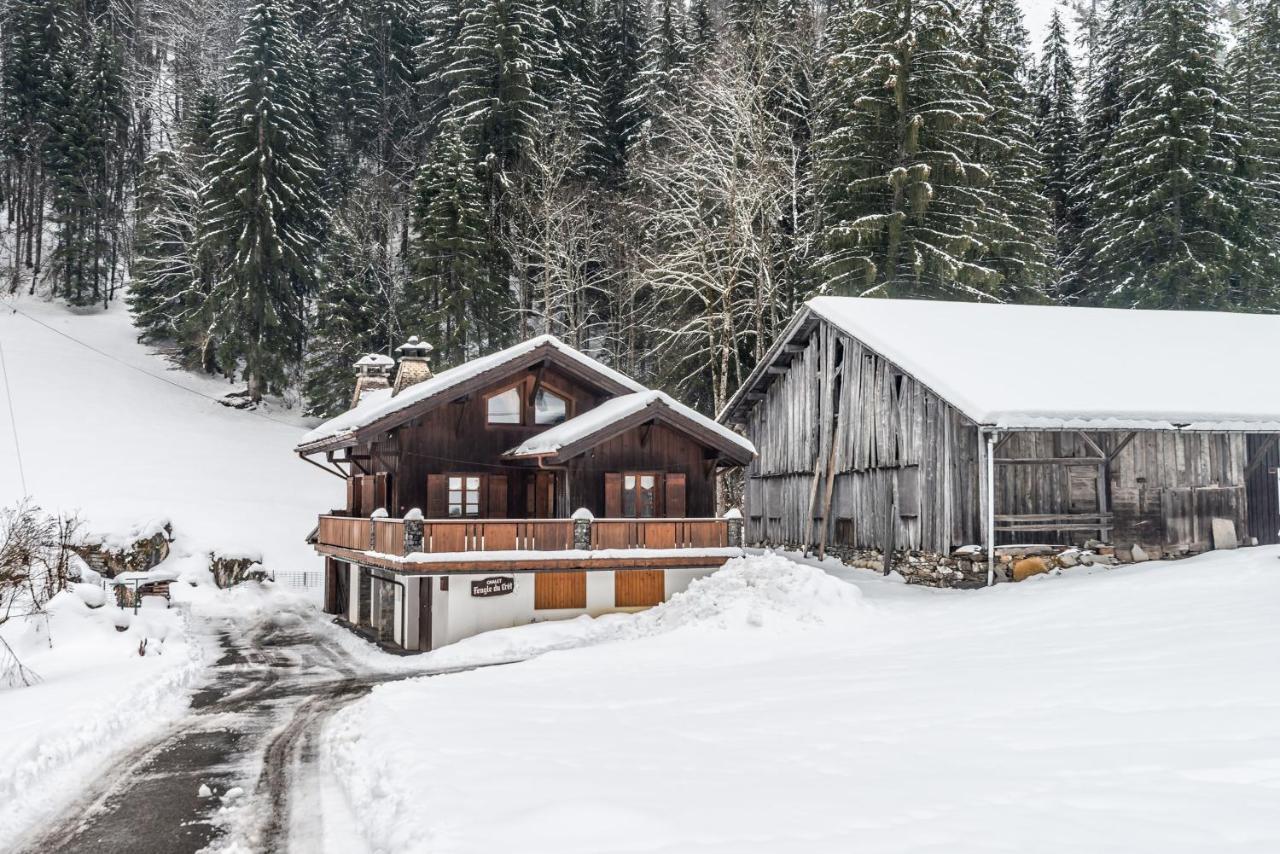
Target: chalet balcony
{"points": [[441, 546]]}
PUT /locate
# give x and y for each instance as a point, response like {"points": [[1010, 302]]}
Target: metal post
{"points": [[991, 509]]}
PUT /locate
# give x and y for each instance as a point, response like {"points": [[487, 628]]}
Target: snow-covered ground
{"points": [[120, 434], [774, 707], [97, 694], [113, 431]]}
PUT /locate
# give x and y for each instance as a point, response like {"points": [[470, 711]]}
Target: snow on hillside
{"points": [[113, 431], [773, 708], [124, 436]]}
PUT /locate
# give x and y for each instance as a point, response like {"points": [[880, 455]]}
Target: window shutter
{"points": [[366, 495], [544, 488], [437, 497], [380, 497], [675, 495], [613, 495], [353, 496], [497, 495]]}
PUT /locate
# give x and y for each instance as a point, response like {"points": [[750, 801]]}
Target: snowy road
{"points": [[250, 737]]}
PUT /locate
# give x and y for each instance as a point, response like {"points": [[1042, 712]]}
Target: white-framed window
{"points": [[464, 495]]}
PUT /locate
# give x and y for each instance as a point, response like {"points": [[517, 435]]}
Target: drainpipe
{"points": [[991, 508]]}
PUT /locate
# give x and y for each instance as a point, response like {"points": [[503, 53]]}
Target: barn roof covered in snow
{"points": [[380, 410], [572, 437], [1055, 367]]}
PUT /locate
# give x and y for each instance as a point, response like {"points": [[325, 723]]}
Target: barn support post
{"points": [[990, 500]]}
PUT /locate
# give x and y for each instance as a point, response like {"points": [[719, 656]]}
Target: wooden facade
{"points": [[460, 484], [407, 466], [856, 452]]}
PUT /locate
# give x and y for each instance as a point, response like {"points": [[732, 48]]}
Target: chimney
{"points": [[413, 364], [372, 373]]}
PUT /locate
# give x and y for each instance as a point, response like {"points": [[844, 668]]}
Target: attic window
{"points": [[504, 407], [549, 408]]}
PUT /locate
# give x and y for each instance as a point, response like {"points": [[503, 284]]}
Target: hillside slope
{"points": [[118, 433]]}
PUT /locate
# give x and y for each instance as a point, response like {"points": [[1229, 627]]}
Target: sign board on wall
{"points": [[494, 585]]}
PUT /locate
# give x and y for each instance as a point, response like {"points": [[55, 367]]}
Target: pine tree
{"points": [[908, 212], [1168, 227], [1253, 67], [1058, 138], [261, 212], [700, 36], [498, 76], [458, 287], [165, 292], [87, 157], [355, 310], [33, 35], [349, 84], [1021, 239], [623, 34], [1111, 43], [575, 80], [664, 75]]}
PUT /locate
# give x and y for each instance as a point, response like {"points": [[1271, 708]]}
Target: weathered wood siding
{"points": [[894, 450], [1164, 488]]}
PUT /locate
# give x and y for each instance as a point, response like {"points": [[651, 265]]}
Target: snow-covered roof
{"points": [[1023, 366], [599, 419], [379, 404]]}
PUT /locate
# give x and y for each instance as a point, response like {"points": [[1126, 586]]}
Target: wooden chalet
{"points": [[533, 483], [889, 425]]}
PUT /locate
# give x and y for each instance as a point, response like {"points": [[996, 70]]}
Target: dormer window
{"points": [[549, 408], [504, 407]]}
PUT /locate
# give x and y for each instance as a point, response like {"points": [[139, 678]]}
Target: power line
{"points": [[13, 420], [145, 373]]}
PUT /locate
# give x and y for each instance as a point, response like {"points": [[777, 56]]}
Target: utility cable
{"points": [[13, 420]]}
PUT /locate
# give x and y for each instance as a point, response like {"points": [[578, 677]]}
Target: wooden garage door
{"points": [[638, 588], [559, 590]]}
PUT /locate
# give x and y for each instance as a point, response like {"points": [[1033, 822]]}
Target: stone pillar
{"points": [[413, 531], [373, 530], [582, 520], [734, 521]]}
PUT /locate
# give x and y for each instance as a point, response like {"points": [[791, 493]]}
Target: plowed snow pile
{"points": [[773, 708]]}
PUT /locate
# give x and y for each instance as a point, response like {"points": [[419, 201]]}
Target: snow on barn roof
{"points": [[1031, 366], [380, 404], [611, 412]]}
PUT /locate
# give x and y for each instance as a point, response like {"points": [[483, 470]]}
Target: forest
{"points": [[277, 187]]}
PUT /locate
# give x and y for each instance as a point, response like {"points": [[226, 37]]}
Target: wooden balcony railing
{"points": [[480, 535], [659, 533]]}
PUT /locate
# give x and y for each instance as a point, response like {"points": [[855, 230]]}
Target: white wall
{"points": [[353, 592], [456, 614]]}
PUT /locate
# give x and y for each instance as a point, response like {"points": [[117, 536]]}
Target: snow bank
{"points": [[97, 695], [772, 708]]}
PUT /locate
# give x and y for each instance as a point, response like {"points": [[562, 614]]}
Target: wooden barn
{"points": [[924, 427], [533, 483]]}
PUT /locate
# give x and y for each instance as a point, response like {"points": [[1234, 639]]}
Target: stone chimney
{"points": [[414, 355], [372, 373]]}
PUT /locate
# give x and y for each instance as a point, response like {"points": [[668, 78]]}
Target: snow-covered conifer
{"points": [[261, 212]]}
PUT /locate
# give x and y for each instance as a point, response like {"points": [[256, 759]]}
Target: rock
{"points": [[1224, 534], [1068, 559], [229, 571], [204, 791], [1028, 567], [112, 558], [1138, 554]]}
